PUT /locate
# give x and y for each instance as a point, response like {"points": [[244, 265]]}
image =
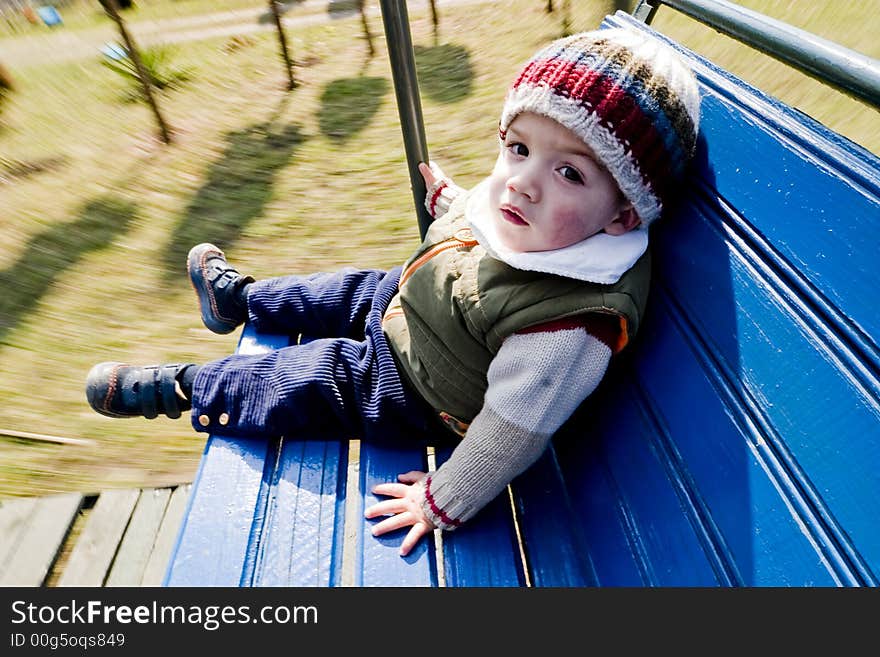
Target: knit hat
{"points": [[632, 100]]}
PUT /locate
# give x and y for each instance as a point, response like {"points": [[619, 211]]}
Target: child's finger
{"points": [[384, 508], [413, 536], [411, 477], [392, 489], [396, 521], [427, 174]]}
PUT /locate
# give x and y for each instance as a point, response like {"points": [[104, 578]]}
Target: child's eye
{"points": [[518, 148], [570, 173]]}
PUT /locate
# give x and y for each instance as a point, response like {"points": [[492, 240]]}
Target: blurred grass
{"points": [[97, 215]]}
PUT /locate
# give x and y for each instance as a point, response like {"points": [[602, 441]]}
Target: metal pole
{"points": [[406, 89], [645, 11], [845, 69]]}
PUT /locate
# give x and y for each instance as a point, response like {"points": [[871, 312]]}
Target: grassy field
{"points": [[97, 215]]}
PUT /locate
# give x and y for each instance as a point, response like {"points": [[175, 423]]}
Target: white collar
{"points": [[601, 258]]}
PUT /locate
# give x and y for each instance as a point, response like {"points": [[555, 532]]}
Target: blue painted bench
{"points": [[737, 443]]}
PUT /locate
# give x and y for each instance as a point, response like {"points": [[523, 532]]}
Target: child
{"points": [[502, 322]]}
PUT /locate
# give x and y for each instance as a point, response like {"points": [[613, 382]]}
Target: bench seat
{"points": [[736, 443]]}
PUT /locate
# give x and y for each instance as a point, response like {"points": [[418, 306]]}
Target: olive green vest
{"points": [[457, 304]]}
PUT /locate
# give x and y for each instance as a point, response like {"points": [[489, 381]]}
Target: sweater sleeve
{"points": [[536, 381], [440, 195]]}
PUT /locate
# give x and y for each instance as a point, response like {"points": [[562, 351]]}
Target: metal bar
{"points": [[845, 69], [406, 89], [646, 10]]}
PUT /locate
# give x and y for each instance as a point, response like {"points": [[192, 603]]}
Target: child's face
{"points": [[547, 190]]}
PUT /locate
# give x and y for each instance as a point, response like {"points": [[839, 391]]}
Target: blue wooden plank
{"points": [[377, 558], [485, 550], [801, 384], [592, 523], [825, 428], [215, 533], [780, 193], [609, 513], [597, 513], [556, 552], [659, 525], [302, 540], [727, 464], [227, 501]]}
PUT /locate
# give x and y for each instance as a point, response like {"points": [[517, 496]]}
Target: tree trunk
{"points": [[288, 65], [435, 20], [111, 7], [6, 83], [367, 34]]}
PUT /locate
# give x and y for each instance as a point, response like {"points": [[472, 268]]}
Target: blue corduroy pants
{"points": [[343, 381]]}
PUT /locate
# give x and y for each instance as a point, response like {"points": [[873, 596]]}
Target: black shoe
{"points": [[220, 288], [122, 390]]}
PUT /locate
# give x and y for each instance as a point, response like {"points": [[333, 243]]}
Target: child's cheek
{"points": [[570, 227], [496, 187]]}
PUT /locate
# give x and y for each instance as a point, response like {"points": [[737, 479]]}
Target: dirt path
{"points": [[58, 44]]}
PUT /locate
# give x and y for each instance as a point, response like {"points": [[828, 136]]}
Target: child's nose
{"points": [[524, 182]]}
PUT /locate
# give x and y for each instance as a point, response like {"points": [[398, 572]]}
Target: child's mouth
{"points": [[513, 215]]}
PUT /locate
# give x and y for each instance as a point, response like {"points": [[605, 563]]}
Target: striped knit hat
{"points": [[632, 100]]}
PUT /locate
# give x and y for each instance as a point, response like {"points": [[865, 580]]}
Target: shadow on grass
{"points": [[237, 188], [49, 254], [445, 72], [348, 105]]}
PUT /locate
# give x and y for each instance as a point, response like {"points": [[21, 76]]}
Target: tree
{"points": [[282, 39], [111, 7], [367, 34], [435, 20]]}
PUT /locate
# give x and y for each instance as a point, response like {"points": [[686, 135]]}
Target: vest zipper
{"points": [[465, 240], [445, 245]]}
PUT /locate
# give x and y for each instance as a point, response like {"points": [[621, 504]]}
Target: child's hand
{"points": [[440, 190], [405, 510]]}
